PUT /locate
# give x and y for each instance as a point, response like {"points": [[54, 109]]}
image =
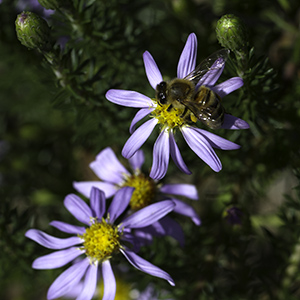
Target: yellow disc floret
{"points": [[144, 191], [101, 239], [167, 117]]}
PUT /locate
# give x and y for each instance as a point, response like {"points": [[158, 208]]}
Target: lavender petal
{"points": [[186, 210], [119, 203], [85, 187], [148, 215], [228, 86], [187, 61], [201, 147], [186, 190], [56, 259], [129, 98], [98, 203], [67, 280], [52, 242], [138, 138], [231, 122], [109, 281], [68, 228], [78, 208], [161, 154], [152, 71], [108, 168], [137, 160], [176, 156], [143, 112], [212, 76], [90, 283], [217, 141], [145, 266]]}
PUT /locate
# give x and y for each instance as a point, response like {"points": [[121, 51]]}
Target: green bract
{"points": [[32, 30]]}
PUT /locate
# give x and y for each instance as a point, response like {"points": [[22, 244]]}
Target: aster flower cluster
{"points": [[141, 207]]}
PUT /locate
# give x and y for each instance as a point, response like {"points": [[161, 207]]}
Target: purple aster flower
{"points": [[98, 241], [115, 176], [171, 119]]}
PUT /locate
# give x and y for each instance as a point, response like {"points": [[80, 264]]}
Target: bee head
{"points": [[161, 92]]}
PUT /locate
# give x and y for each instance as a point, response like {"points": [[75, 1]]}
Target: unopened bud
{"points": [[233, 215], [32, 30], [232, 33]]}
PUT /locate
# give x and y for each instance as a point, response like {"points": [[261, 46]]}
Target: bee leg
{"points": [[169, 108], [184, 112]]}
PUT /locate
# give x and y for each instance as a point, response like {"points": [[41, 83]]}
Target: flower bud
{"points": [[233, 215], [32, 30], [232, 33]]}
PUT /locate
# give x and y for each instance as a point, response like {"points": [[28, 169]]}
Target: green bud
{"points": [[232, 33], [50, 4], [32, 30]]}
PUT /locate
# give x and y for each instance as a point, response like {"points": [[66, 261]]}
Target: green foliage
{"points": [[55, 118]]}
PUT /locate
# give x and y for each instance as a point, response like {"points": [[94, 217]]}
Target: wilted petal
{"points": [[212, 76], [228, 86], [161, 154], [78, 208], [138, 138], [109, 281], [201, 147], [143, 112], [137, 160], [217, 141], [98, 203], [52, 242], [68, 228], [187, 61], [186, 210], [68, 279], [56, 259], [186, 190], [152, 71], [90, 283], [119, 203], [107, 167], [176, 156], [129, 98], [145, 266], [231, 122], [148, 215], [85, 187]]}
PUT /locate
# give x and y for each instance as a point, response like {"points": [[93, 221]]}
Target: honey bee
{"points": [[189, 95]]}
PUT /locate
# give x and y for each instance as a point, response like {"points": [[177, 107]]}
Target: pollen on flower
{"points": [[167, 117], [100, 241], [144, 191]]}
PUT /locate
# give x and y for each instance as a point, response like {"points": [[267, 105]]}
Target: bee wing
{"points": [[215, 61]]}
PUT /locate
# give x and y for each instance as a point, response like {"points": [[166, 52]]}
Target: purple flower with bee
{"points": [[178, 105]]}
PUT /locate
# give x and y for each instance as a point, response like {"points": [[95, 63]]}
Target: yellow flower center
{"points": [[169, 118], [101, 240], [144, 191]]}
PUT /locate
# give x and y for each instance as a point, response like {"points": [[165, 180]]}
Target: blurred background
{"points": [[54, 119]]}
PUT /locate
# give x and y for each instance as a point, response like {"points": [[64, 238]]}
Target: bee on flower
{"points": [[178, 105]]}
